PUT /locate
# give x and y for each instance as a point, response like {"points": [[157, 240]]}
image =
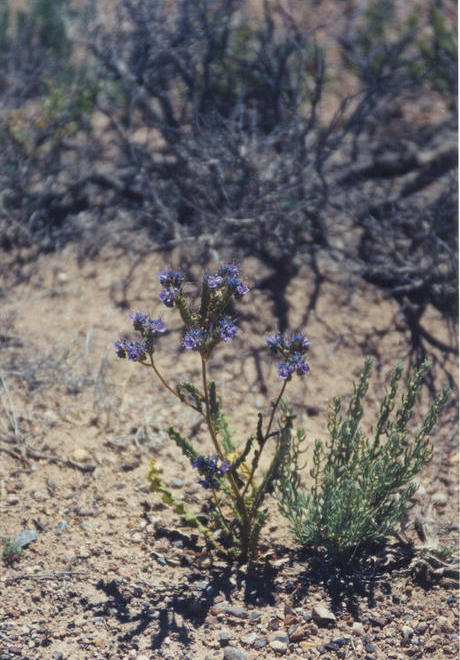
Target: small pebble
{"points": [[80, 454], [407, 632], [439, 498], [177, 483], [279, 642], [357, 628], [24, 537], [225, 636], [249, 638], [322, 615], [231, 653]]}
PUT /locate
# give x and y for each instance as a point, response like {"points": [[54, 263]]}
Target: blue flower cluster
{"points": [[292, 351], [227, 276], [210, 469], [133, 350], [149, 329], [172, 281], [195, 337]]}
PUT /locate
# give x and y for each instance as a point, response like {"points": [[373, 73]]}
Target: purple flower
{"points": [[241, 290], [171, 279], [227, 329], [299, 343], [237, 287], [145, 325], [213, 281], [210, 469], [167, 297], [276, 343], [193, 339], [295, 364], [230, 270], [298, 364], [156, 326], [139, 319], [284, 371], [120, 347], [133, 350]]}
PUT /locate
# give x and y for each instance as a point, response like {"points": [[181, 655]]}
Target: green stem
{"points": [[165, 383], [267, 433], [275, 406], [239, 499]]}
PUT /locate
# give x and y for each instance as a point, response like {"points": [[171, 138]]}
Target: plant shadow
{"points": [[178, 608], [350, 581]]}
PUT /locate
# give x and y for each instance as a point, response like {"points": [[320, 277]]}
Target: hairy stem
{"points": [[239, 498], [164, 382]]}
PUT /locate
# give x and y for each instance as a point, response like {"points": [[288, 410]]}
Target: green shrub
{"points": [[361, 484]]}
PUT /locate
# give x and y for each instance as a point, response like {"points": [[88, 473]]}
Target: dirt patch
{"points": [[112, 574]]}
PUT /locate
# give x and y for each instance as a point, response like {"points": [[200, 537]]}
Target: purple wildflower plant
{"points": [[133, 350], [229, 270], [277, 344], [210, 469], [213, 281], [171, 279], [145, 325], [299, 343], [292, 351], [194, 338], [295, 364], [227, 329], [167, 297], [236, 285]]}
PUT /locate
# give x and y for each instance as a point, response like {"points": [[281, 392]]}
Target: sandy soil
{"points": [[112, 573]]}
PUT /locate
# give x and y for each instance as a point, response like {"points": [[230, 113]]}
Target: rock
{"points": [[80, 454], [12, 499], [322, 616], [225, 636], [234, 610], [254, 617], [301, 632], [249, 638], [177, 483], [439, 498], [260, 643], [279, 642], [231, 653], [368, 646], [58, 655], [357, 628], [24, 537], [61, 526], [407, 632], [127, 466]]}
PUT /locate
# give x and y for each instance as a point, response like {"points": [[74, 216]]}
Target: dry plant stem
{"points": [[267, 433]]}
